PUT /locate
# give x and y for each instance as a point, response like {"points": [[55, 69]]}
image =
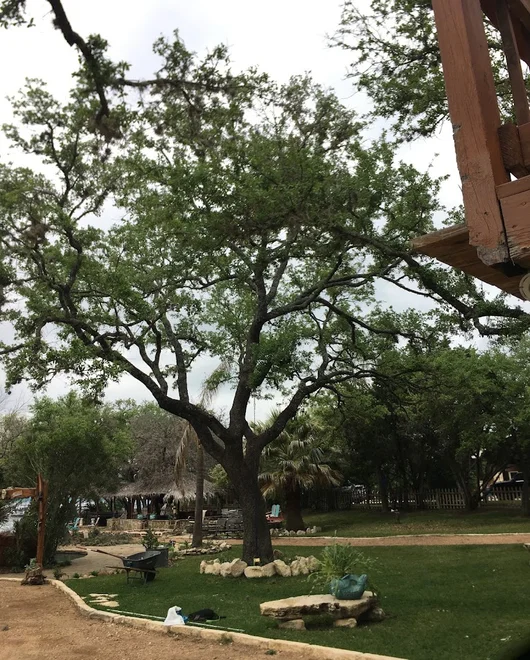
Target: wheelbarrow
{"points": [[141, 563]]}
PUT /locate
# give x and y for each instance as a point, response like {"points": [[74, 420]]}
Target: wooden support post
{"points": [[513, 62], [42, 497], [476, 119]]}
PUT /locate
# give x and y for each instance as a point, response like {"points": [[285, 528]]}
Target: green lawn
{"points": [[466, 602], [375, 523]]}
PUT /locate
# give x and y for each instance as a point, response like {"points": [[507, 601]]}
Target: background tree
{"points": [[512, 368], [77, 446], [297, 460], [155, 438]]}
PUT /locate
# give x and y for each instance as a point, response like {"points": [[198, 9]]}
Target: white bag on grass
{"points": [[173, 617]]}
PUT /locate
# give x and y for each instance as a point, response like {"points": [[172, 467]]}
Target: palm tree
{"points": [[190, 439], [297, 461]]}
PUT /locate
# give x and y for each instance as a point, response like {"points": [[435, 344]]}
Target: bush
{"points": [[339, 560], [150, 540], [105, 538]]}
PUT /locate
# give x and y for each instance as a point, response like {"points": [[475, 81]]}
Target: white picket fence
{"points": [[444, 498]]}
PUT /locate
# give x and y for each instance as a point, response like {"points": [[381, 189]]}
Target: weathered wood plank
{"points": [[524, 139], [513, 62], [521, 10], [513, 188], [518, 9], [17, 493], [451, 246], [475, 116], [511, 149], [516, 211]]}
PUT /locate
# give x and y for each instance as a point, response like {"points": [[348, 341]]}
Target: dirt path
{"points": [[43, 624], [420, 539]]}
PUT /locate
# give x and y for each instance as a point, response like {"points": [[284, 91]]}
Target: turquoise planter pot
{"points": [[348, 587]]}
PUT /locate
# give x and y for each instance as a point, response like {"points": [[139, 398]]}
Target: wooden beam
{"points": [[42, 497], [515, 202], [476, 119], [513, 63], [524, 139], [517, 9], [511, 149], [451, 246], [17, 493], [513, 188], [521, 10]]}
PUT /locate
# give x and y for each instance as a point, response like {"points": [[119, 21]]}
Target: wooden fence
{"points": [[440, 498]]}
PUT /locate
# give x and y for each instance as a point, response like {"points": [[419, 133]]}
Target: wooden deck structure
{"points": [[493, 158]]}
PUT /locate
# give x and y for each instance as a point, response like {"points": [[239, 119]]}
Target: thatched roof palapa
{"points": [[183, 491]]}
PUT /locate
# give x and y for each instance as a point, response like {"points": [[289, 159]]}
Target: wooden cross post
{"points": [[42, 498], [40, 493]]}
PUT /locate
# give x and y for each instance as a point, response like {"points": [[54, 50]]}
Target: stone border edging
{"points": [[310, 651]]}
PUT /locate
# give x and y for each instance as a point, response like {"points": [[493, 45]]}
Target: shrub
{"points": [[339, 560], [150, 540], [107, 538], [57, 573]]}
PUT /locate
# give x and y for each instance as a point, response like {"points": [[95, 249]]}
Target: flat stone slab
{"points": [[299, 606]]}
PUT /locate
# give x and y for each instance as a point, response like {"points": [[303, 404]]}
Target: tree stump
{"points": [[34, 576]]}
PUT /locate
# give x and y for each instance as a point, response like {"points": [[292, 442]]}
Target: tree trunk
{"points": [[256, 534], [470, 498], [525, 495], [383, 490], [196, 541], [293, 511]]}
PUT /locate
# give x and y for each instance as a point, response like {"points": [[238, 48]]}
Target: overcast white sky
{"points": [[281, 37]]}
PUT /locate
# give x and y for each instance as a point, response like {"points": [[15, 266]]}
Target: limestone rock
{"points": [[294, 624], [345, 623], [374, 614], [313, 564], [238, 568], [269, 570], [294, 608], [300, 532], [253, 572], [216, 566], [202, 566], [209, 569], [226, 569], [282, 568], [299, 566], [295, 568]]}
